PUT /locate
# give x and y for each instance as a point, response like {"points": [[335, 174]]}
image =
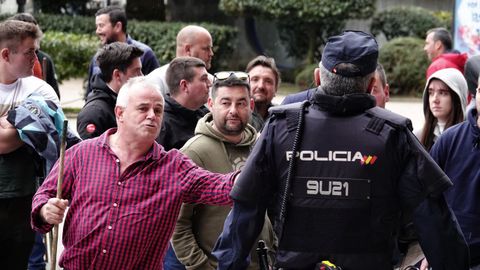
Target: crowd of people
{"points": [[177, 168]]}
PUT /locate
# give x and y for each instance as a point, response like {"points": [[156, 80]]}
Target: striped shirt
{"points": [[124, 220]]}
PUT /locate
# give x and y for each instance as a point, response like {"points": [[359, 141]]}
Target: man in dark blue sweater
{"points": [[457, 152]]}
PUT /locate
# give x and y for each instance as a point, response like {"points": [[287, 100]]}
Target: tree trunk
{"points": [[310, 57], [204, 11], [146, 10], [21, 6]]}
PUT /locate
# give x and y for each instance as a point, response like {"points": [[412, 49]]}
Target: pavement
{"points": [[72, 93], [71, 96]]}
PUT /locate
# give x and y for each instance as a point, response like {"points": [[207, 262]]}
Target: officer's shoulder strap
{"points": [[380, 117], [290, 112]]}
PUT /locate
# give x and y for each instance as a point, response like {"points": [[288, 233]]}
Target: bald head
{"points": [[195, 41]]}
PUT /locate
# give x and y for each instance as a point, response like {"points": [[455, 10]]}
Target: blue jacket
{"points": [[299, 97], [148, 59], [457, 152]]}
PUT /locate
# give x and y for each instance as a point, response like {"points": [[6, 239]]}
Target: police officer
{"points": [[337, 174]]}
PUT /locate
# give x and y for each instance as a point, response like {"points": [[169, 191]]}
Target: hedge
{"points": [[304, 78], [405, 64], [407, 21], [71, 53], [160, 36]]}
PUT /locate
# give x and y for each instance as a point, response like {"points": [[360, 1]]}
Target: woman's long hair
{"points": [[456, 116]]}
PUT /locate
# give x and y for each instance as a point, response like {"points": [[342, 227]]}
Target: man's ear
{"points": [[316, 76], [371, 84], [118, 27], [210, 103], [438, 46], [116, 74], [252, 104], [386, 90], [188, 48], [183, 85], [119, 113], [5, 54]]}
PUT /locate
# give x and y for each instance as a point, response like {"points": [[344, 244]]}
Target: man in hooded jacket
{"points": [[118, 62]]}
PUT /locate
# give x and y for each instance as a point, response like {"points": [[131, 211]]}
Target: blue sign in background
{"points": [[466, 28]]}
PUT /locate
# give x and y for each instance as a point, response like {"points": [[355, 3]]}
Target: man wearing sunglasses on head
{"points": [[223, 140]]}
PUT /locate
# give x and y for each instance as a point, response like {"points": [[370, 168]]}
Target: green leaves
{"points": [[405, 63], [406, 21], [71, 52], [306, 10], [303, 25]]}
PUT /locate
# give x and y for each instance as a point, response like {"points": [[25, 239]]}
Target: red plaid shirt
{"points": [[124, 221]]}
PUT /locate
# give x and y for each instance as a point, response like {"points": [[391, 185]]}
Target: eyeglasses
{"points": [[224, 75]]}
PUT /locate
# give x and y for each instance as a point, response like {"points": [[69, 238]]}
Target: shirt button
{"points": [[109, 227], [119, 183], [115, 204], [104, 251], [117, 160]]}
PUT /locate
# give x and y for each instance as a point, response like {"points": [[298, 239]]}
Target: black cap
{"points": [[351, 47]]}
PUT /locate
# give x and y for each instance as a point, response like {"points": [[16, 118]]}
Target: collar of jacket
{"points": [[171, 105], [100, 90], [472, 121], [349, 104]]}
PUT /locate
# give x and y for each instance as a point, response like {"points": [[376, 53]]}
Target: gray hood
{"points": [[455, 80]]}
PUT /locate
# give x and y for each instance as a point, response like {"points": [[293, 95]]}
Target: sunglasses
{"points": [[224, 75]]}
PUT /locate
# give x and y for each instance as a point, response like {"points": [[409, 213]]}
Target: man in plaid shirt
{"points": [[124, 191]]}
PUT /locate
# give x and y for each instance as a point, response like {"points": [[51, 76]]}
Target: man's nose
{"points": [[233, 109], [151, 113], [261, 84]]}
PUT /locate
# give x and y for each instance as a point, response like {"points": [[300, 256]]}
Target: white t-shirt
{"points": [[157, 76], [13, 94]]}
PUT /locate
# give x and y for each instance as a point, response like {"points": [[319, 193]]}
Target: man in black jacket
{"points": [[118, 62], [188, 81]]}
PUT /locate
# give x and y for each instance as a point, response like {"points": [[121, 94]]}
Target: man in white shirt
{"points": [[18, 166], [192, 40]]}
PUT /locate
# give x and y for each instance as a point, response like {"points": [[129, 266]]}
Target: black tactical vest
{"points": [[342, 203]]}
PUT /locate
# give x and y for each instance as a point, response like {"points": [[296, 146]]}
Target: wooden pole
{"points": [[53, 262], [44, 68]]}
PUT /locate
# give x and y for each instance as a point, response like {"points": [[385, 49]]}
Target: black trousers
{"points": [[16, 234]]}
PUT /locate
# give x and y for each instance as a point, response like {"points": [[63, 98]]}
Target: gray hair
{"points": [[337, 85], [381, 74], [133, 85]]}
